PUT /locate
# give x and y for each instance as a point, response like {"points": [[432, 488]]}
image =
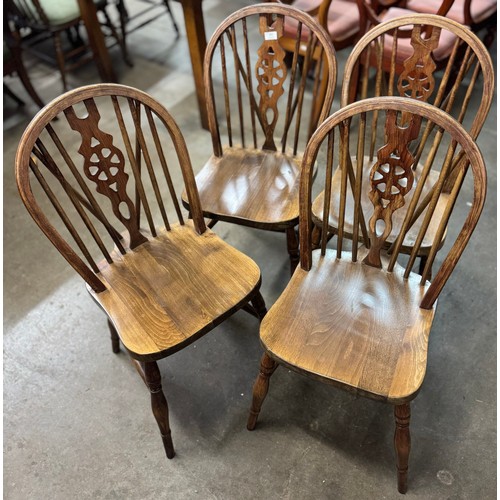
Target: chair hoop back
{"points": [[104, 179], [395, 129], [267, 97]]}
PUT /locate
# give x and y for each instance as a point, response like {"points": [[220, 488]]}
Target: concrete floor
{"points": [[77, 420]]}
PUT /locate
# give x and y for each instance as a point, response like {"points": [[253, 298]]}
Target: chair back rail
{"points": [[113, 177], [393, 185], [264, 97]]}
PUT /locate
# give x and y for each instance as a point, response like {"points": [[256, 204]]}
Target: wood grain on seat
{"points": [[242, 185], [352, 325], [170, 291]]}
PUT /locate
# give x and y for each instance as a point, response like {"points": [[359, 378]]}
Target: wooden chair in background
{"points": [[267, 113], [13, 63], [161, 284], [478, 15], [340, 19], [142, 17], [37, 20], [352, 316], [428, 58]]}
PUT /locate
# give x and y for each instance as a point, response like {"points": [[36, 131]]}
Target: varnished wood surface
{"points": [[455, 133], [248, 185], [251, 187], [367, 207], [173, 289], [353, 326]]}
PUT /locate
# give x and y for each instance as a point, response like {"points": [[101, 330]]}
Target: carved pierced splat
{"points": [[104, 165], [271, 74], [417, 79], [391, 178]]}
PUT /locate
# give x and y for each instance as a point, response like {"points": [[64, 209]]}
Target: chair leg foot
{"points": [[402, 444], [260, 388], [159, 405], [115, 340], [259, 305], [292, 244]]}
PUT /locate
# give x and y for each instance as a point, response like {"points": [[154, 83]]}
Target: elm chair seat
{"points": [[352, 315]]}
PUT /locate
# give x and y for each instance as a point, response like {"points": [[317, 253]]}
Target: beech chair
{"points": [[106, 200], [37, 20], [340, 18], [267, 113], [352, 316], [478, 15], [402, 57]]}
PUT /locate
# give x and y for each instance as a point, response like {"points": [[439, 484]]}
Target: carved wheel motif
{"points": [[391, 178], [417, 79], [104, 164], [271, 73]]}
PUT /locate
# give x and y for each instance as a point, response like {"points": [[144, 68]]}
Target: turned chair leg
{"points": [[259, 305], [115, 340], [60, 59], [402, 444], [152, 377], [260, 388], [292, 244]]}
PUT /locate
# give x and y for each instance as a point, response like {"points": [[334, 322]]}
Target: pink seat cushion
{"points": [[479, 9], [405, 49], [343, 19]]}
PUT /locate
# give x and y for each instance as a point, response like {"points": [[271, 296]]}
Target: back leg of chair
{"points": [[259, 305], [152, 377], [60, 58], [120, 38], [13, 96], [260, 388], [115, 340], [169, 10], [402, 444], [292, 243]]}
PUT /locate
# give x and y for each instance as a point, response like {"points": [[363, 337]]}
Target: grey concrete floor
{"points": [[77, 420]]}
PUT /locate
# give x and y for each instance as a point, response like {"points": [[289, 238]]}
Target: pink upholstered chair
{"points": [[477, 14], [340, 18]]}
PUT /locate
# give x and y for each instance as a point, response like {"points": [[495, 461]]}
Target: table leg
{"points": [[195, 31], [88, 13]]}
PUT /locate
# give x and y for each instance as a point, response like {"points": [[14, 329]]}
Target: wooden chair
{"points": [[268, 113], [13, 63], [340, 18], [130, 23], [352, 316], [37, 20], [478, 15], [162, 284], [385, 63]]}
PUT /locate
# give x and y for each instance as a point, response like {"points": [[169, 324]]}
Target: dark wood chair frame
{"points": [[283, 320], [15, 65], [32, 27]]}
